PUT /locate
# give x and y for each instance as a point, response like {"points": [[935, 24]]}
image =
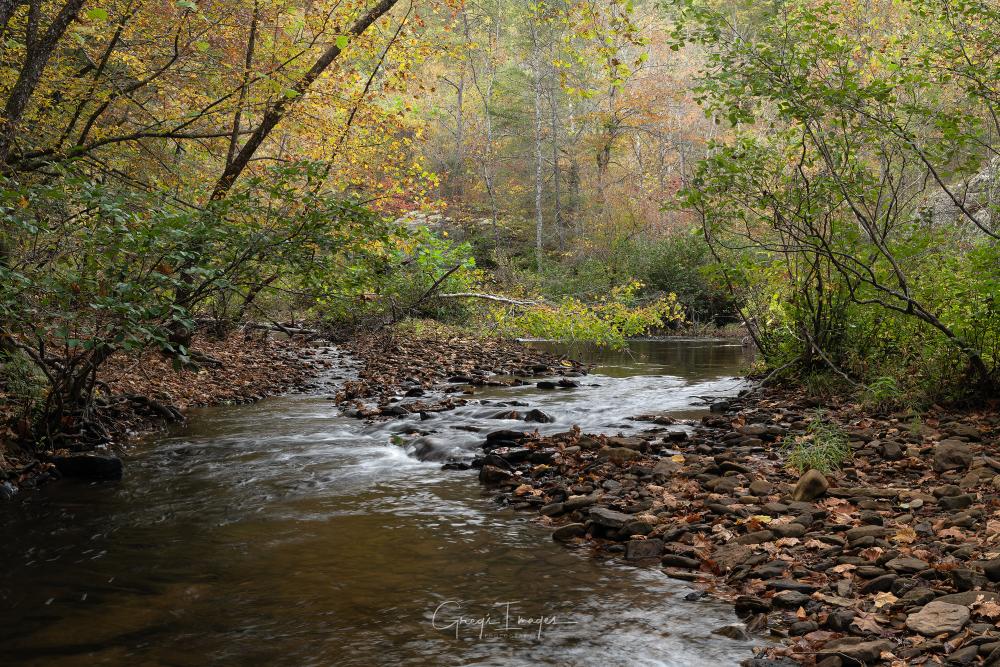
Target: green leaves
{"points": [[96, 14], [341, 42]]}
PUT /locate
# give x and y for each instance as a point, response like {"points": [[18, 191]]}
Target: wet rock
{"points": [[748, 605], [579, 502], [855, 650], [810, 486], [505, 435], [608, 518], [492, 475], [761, 487], [7, 490], [89, 466], [683, 562], [552, 509], [731, 556], [938, 617], [737, 632], [538, 416], [639, 549], [951, 455], [790, 599], [569, 532]]}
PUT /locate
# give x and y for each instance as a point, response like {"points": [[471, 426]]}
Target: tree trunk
{"points": [[247, 66], [537, 74]]}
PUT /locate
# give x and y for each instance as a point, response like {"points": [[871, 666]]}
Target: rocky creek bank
{"points": [[141, 393], [892, 559], [403, 374]]}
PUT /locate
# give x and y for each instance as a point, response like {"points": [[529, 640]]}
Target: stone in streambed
{"points": [[493, 475], [810, 486], [760, 487], [683, 562], [569, 532], [639, 549], [89, 466], [609, 518], [938, 617], [538, 416]]}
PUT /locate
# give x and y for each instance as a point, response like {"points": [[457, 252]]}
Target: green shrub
{"points": [[824, 446]]}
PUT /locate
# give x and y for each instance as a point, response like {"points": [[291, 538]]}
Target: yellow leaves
{"points": [[905, 535], [884, 599]]}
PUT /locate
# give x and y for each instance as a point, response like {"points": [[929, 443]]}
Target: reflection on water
{"points": [[284, 534]]}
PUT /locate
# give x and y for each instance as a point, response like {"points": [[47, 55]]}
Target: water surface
{"points": [[283, 533]]}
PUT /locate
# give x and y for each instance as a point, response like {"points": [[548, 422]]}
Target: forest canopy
{"points": [[821, 172]]}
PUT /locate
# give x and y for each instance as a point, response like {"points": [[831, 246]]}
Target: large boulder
{"points": [[810, 486], [937, 617]]}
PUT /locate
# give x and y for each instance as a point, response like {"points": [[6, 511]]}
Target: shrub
{"points": [[824, 446]]}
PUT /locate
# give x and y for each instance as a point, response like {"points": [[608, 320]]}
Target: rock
{"points": [[951, 455], [991, 568], [787, 529], [964, 656], [7, 490], [938, 617], [756, 537], [666, 468], [856, 649], [552, 509], [608, 518], [568, 532], [492, 476], [731, 556], [748, 605], [619, 455], [638, 549], [861, 532], [891, 450], [683, 562], [790, 599], [968, 597], [760, 487], [956, 502], [89, 466], [880, 584], [907, 565], [737, 632], [505, 434], [579, 502], [810, 486], [538, 416]]}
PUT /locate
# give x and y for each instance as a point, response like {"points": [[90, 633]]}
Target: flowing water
{"points": [[283, 533]]}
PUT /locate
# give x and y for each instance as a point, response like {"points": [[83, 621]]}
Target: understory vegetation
{"points": [[579, 171]]}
